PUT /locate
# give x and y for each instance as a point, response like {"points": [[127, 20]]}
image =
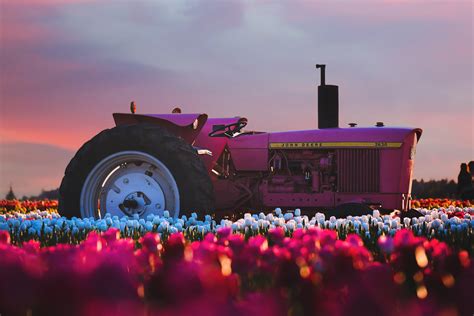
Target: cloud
{"points": [[46, 3], [215, 15], [372, 11]]}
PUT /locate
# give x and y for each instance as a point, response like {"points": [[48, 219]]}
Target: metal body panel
{"points": [[182, 125], [250, 152], [354, 134], [250, 159]]}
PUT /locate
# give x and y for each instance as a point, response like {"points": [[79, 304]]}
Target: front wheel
{"points": [[135, 169]]}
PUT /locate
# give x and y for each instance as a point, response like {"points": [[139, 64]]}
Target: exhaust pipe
{"points": [[328, 102]]}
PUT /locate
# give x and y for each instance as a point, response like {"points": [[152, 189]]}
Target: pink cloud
{"points": [[36, 3], [216, 15], [378, 11]]}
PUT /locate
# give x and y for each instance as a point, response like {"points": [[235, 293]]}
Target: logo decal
{"points": [[309, 145]]}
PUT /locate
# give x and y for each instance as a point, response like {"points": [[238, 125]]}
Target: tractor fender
{"points": [[186, 126]]}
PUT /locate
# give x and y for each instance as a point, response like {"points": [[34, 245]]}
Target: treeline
{"points": [[49, 195], [420, 190], [434, 189]]}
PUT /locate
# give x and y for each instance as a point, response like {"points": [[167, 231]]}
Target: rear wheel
{"points": [[135, 169]]}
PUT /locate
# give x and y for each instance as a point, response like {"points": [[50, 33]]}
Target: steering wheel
{"points": [[229, 130]]}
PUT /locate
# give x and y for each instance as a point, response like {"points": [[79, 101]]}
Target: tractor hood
{"points": [[342, 137]]}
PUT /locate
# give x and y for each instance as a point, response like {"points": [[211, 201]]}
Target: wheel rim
{"points": [[128, 183]]}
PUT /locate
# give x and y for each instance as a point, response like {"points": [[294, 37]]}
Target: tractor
{"points": [[181, 163]]}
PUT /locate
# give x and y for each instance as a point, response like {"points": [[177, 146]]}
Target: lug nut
{"points": [[158, 206], [125, 181]]}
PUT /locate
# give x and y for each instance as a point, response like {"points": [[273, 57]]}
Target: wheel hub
{"points": [[135, 203], [133, 191]]}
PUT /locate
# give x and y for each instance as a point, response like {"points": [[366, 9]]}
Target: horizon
{"points": [[68, 65]]}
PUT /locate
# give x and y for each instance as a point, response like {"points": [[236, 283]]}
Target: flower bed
{"points": [[7, 206], [454, 226], [437, 203], [52, 205], [311, 272]]}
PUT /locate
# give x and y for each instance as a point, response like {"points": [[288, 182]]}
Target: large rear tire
{"points": [[135, 169]]}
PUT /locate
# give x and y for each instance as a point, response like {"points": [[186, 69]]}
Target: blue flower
{"points": [[173, 230], [156, 220], [297, 212], [24, 226], [80, 225], [37, 224], [148, 226]]}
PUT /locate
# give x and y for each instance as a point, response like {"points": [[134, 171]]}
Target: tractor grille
{"points": [[358, 170]]}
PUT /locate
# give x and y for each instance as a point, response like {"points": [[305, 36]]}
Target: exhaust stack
{"points": [[328, 102]]}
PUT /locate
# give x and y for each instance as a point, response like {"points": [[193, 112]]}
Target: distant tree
{"points": [[50, 195], [434, 189], [10, 195]]}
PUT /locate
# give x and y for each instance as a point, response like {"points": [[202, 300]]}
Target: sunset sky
{"points": [[66, 66]]}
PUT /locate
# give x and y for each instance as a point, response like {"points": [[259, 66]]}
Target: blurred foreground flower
{"points": [[223, 273]]}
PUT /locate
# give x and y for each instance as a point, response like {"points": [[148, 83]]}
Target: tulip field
{"points": [[273, 263]]}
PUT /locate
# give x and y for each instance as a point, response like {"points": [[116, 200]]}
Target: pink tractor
{"points": [[188, 162]]}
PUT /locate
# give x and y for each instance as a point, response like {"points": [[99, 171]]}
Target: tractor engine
{"points": [[302, 171]]}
